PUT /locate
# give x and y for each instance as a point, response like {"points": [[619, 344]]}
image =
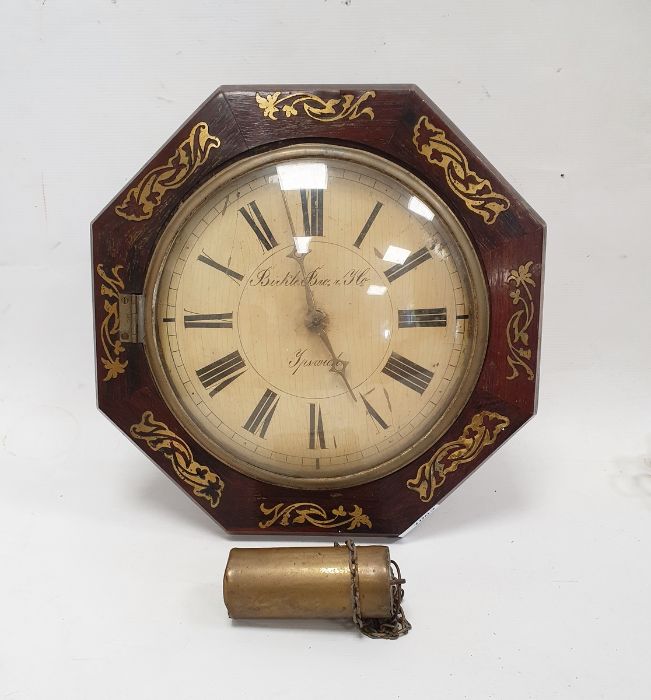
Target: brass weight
{"points": [[307, 582]]}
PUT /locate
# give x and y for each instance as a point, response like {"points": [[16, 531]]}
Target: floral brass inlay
{"points": [[141, 200], [482, 430], [332, 110], [159, 438], [299, 513], [517, 335], [108, 332], [476, 192]]}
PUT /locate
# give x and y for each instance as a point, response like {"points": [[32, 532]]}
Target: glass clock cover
{"points": [[315, 316]]}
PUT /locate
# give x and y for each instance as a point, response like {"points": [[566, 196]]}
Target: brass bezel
{"points": [[474, 271]]}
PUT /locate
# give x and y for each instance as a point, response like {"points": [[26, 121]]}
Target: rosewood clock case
{"points": [[400, 124]]}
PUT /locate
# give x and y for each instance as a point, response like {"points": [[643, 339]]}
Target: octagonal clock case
{"points": [[317, 308]]}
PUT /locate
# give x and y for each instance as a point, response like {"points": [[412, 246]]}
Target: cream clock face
{"points": [[316, 316]]}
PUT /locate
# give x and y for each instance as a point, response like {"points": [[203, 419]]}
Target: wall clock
{"points": [[318, 308]]}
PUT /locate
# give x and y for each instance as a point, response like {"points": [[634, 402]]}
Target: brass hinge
{"points": [[132, 327]]}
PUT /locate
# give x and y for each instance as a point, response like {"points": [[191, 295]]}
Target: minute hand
{"points": [[309, 297], [338, 365]]}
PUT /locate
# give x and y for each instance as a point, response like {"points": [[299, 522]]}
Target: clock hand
{"points": [[289, 216], [338, 365], [316, 320], [316, 316]]}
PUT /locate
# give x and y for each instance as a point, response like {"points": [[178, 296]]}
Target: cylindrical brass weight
{"points": [[306, 582]]}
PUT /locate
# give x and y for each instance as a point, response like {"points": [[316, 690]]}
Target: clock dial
{"points": [[316, 315]]}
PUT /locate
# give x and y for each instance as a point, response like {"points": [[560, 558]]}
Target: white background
{"points": [[533, 579]]}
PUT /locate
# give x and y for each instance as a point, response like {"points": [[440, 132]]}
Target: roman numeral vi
{"points": [[317, 436]]}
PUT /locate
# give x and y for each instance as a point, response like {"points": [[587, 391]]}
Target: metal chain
{"points": [[393, 627]]}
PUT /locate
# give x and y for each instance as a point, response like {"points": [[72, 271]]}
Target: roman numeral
{"points": [[367, 226], [414, 260], [222, 372], [312, 206], [208, 320], [317, 436], [259, 225], [374, 414], [410, 374], [422, 318], [204, 258], [262, 414]]}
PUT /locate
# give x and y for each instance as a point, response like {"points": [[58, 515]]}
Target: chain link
{"points": [[393, 627]]}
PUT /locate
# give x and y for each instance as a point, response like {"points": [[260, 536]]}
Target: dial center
{"points": [[316, 321], [282, 338]]}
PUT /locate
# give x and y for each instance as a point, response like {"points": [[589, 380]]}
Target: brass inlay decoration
{"points": [[299, 513], [111, 288], [142, 199], [476, 192], [482, 430], [159, 438], [332, 110], [517, 329]]}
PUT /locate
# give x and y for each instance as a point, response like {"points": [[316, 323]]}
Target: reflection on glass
{"points": [[302, 244], [420, 208], [302, 176], [397, 255], [376, 290]]}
